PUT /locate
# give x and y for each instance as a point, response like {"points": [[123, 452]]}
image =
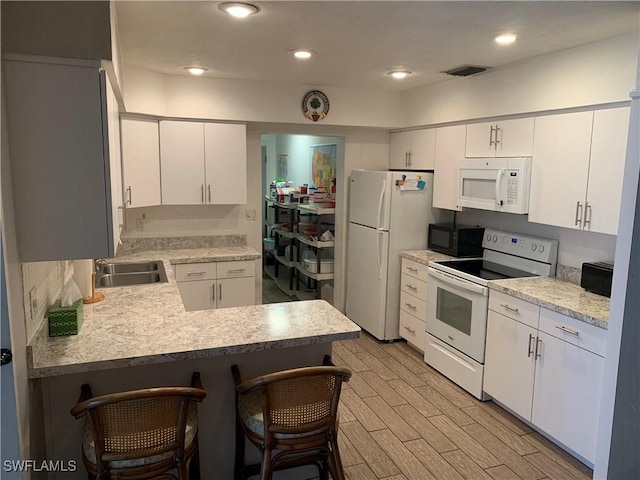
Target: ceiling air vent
{"points": [[465, 70]]}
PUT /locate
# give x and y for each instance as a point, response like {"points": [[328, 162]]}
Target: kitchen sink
{"points": [[130, 267], [134, 273]]}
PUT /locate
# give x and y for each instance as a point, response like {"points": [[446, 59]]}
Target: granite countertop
{"points": [[559, 296], [424, 256], [147, 324]]}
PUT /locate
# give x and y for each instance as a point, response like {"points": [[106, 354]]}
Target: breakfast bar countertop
{"points": [[147, 324]]}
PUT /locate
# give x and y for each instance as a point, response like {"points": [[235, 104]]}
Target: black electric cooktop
{"points": [[485, 269]]}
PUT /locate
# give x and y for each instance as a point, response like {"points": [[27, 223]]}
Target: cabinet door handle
{"points": [[411, 287], [568, 330], [538, 343], [412, 269], [578, 213], [491, 135], [530, 349], [236, 270], [410, 159], [202, 193], [220, 292], [496, 141], [412, 307], [410, 330], [587, 215], [129, 194], [209, 190], [193, 274], [510, 308]]}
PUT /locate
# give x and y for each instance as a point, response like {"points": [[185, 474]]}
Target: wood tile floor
{"points": [[402, 420]]}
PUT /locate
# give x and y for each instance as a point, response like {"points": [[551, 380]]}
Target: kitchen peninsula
{"points": [[141, 336]]}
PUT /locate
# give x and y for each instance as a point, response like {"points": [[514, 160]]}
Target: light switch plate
{"points": [[251, 214]]}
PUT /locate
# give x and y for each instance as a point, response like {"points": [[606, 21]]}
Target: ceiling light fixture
{"points": [[195, 70], [399, 74], [302, 54], [238, 9], [506, 39]]}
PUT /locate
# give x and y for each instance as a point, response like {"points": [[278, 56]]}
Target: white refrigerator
{"points": [[388, 213]]}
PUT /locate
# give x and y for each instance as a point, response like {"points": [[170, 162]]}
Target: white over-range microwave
{"points": [[498, 184]]}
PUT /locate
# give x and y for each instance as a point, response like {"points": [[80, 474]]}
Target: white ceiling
{"points": [[357, 42]]}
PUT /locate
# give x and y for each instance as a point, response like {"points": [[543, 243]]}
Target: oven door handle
{"points": [[458, 282]]}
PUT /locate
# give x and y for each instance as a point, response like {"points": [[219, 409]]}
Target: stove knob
{"points": [[541, 248], [495, 238], [534, 247], [488, 237]]}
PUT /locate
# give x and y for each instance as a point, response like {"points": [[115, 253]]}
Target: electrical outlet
{"points": [[33, 301], [250, 214]]}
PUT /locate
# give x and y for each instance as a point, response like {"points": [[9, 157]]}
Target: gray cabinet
{"points": [[58, 134]]}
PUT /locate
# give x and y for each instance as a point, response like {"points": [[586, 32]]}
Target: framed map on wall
{"points": [[323, 165]]}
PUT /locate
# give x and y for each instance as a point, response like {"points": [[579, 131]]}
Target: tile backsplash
{"points": [[42, 284]]}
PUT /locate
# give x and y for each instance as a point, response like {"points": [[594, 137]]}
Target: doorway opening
{"points": [[298, 213]]}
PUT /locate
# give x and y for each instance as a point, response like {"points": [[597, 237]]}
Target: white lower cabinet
{"points": [[509, 367], [204, 286], [547, 368], [413, 303]]}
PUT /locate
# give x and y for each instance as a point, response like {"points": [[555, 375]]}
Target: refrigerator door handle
{"points": [[378, 255], [382, 190]]}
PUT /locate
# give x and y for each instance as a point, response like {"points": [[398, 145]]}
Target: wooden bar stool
{"points": [[292, 417], [141, 434]]}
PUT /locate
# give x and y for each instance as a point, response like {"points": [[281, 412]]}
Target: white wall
{"points": [[250, 101], [28, 401], [597, 73], [575, 246]]}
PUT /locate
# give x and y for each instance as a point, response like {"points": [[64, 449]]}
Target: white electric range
{"points": [[458, 300]]}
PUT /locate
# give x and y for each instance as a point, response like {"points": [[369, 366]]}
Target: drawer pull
{"points": [[413, 307], [411, 287], [412, 269], [192, 274], [236, 270], [507, 307], [567, 330], [410, 330]]}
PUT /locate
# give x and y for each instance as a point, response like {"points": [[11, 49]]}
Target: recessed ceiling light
{"points": [[303, 54], [238, 9], [195, 70], [506, 39], [399, 74]]}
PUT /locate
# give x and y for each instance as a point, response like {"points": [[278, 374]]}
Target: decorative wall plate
{"points": [[315, 105]]}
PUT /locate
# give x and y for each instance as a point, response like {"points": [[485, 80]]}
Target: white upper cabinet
{"points": [[225, 151], [115, 163], [578, 164], [59, 149], [203, 163], [449, 151], [413, 150], [141, 162], [182, 162], [504, 138], [606, 169]]}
